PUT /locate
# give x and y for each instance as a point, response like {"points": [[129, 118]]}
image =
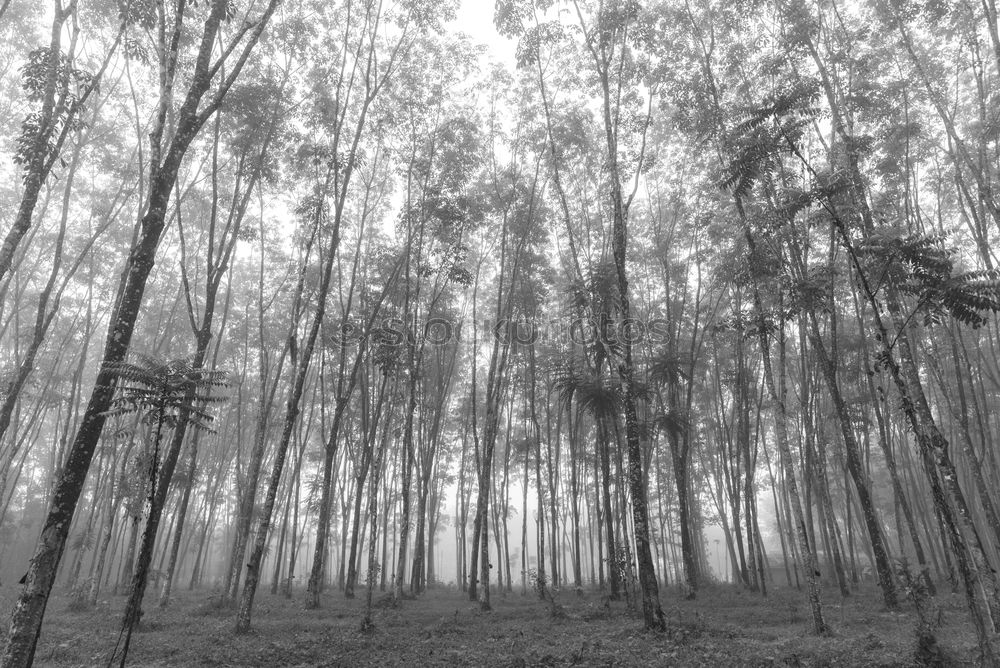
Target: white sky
{"points": [[475, 17]]}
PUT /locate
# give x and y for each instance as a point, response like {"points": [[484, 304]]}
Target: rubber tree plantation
{"points": [[535, 332]]}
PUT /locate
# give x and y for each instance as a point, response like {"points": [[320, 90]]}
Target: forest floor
{"points": [[723, 627]]}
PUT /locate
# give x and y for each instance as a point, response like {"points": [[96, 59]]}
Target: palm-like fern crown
{"points": [[594, 394], [162, 389]]}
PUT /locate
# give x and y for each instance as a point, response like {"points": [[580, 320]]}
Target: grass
{"points": [[723, 627]]}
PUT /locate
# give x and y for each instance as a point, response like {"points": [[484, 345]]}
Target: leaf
{"points": [[165, 390]]}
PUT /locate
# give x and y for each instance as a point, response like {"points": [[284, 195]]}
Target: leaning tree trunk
{"points": [[203, 335], [292, 410], [344, 393], [29, 609], [139, 575], [107, 532], [343, 182], [314, 585], [856, 468], [352, 552], [181, 517], [55, 120], [777, 393]]}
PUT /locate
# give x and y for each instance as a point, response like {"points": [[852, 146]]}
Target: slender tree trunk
{"points": [[181, 517], [30, 608]]}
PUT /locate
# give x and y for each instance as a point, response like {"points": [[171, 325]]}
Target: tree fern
{"points": [[922, 266], [162, 389], [764, 132], [593, 394]]}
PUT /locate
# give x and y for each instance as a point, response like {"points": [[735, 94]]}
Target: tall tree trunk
{"points": [[292, 410], [181, 517], [26, 620], [612, 549], [540, 509], [652, 613]]}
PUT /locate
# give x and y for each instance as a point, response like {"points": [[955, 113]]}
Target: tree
{"points": [[607, 42], [60, 89], [165, 160], [172, 395]]}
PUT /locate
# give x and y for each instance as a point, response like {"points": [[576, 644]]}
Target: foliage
{"points": [[66, 85], [160, 390], [921, 266], [595, 395], [774, 166], [764, 133]]}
